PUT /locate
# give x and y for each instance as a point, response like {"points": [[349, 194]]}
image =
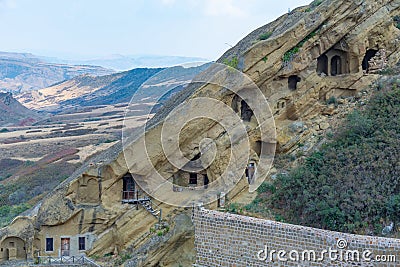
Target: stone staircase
{"points": [[148, 205]]}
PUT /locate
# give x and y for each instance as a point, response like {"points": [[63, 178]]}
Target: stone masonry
{"points": [[223, 239]]}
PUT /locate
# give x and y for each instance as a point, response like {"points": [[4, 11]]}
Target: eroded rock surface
{"points": [[313, 56]]}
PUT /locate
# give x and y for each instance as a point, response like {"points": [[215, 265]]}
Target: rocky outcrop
{"points": [[14, 113], [313, 55]]}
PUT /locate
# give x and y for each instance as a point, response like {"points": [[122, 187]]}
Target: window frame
{"points": [[193, 177], [79, 243], [52, 244]]}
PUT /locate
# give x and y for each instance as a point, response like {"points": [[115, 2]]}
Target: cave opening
{"points": [[368, 55], [292, 82]]}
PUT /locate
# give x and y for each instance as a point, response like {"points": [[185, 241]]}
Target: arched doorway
{"points": [[336, 66], [322, 65], [368, 55], [13, 248]]}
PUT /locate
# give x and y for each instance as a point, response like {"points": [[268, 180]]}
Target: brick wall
{"points": [[223, 239]]}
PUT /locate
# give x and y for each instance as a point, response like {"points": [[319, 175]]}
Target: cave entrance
{"points": [[336, 66], [13, 248], [368, 56], [322, 65], [292, 82]]}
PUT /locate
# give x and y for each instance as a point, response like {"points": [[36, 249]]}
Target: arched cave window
{"points": [[336, 66], [292, 82], [245, 111], [368, 55], [322, 65]]}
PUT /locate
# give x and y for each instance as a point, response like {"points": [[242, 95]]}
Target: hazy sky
{"points": [[93, 28]]}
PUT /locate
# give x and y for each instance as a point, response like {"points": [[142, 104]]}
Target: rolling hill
{"points": [[116, 88]]}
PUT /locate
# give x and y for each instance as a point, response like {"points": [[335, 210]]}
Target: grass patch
{"points": [[233, 63], [289, 55], [264, 36], [8, 213], [313, 5], [316, 3]]}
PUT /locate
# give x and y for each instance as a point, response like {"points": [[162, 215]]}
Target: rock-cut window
{"points": [[49, 244]]}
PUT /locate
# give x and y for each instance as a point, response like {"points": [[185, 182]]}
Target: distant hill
{"points": [[24, 72], [13, 113], [110, 89], [123, 62]]}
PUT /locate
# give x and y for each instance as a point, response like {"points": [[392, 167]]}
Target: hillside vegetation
{"points": [[352, 184]]}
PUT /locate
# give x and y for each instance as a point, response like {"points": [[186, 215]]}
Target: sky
{"points": [[85, 29]]}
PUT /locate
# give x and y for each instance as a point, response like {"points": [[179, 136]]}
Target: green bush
{"points": [[332, 100], [8, 213], [4, 130], [233, 207], [316, 3], [266, 187], [393, 208], [264, 36], [233, 63]]}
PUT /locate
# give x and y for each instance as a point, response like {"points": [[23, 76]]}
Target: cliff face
{"points": [[313, 55]]}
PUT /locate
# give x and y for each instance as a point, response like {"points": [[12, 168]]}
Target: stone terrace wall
{"points": [[223, 239]]}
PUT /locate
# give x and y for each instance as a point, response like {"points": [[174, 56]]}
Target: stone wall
{"points": [[223, 239]]}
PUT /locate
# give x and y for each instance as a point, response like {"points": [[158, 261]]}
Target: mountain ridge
{"points": [[25, 72], [115, 88]]}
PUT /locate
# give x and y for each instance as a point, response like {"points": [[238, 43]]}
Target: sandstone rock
{"points": [[324, 126], [308, 61]]}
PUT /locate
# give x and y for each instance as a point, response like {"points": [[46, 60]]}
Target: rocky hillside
{"points": [[13, 113], [116, 88], [360, 153], [24, 72], [303, 63]]}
